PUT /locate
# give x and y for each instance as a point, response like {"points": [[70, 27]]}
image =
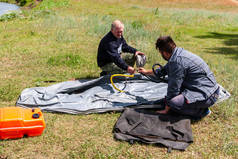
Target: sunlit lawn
{"points": [[58, 41]]}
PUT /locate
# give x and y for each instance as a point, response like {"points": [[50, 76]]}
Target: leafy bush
{"points": [[8, 1], [7, 17], [24, 2], [20, 2]]}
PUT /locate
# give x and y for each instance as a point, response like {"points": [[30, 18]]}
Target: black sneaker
{"points": [[206, 113]]}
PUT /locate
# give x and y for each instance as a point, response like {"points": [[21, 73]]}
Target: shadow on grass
{"points": [[230, 41], [83, 79]]}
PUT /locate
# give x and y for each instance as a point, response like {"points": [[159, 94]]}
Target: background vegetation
{"points": [[58, 40], [29, 3]]}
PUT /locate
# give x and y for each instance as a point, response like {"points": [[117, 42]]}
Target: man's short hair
{"points": [[165, 43], [117, 24]]}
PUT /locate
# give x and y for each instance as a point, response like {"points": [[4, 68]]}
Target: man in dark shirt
{"points": [[192, 87], [109, 56]]}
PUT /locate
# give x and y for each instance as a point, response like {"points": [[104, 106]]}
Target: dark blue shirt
{"points": [[109, 51], [190, 75]]}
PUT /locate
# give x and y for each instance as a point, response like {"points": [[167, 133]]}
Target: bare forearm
{"points": [[145, 72]]}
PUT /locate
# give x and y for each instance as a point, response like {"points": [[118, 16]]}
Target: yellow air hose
{"points": [[122, 75]]}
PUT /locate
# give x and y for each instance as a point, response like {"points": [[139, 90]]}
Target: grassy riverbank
{"points": [[58, 39]]}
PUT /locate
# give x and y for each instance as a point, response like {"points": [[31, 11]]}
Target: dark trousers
{"points": [[179, 105]]}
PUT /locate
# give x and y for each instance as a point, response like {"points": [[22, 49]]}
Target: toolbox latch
{"points": [[36, 116]]}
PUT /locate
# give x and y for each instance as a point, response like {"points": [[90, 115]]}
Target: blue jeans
{"points": [[179, 105]]}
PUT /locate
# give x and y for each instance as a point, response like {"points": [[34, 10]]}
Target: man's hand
{"points": [[165, 111], [139, 53], [142, 70], [130, 70]]}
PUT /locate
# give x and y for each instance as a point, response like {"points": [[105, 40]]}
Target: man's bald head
{"points": [[117, 24], [117, 28]]}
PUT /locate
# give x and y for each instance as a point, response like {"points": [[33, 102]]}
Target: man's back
{"points": [[102, 56], [198, 81]]}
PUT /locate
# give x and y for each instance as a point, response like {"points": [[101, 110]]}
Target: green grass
{"points": [[58, 40]]}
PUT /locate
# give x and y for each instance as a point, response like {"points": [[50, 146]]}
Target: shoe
{"points": [[206, 113]]}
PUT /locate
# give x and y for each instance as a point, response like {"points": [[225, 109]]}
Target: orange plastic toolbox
{"points": [[16, 122]]}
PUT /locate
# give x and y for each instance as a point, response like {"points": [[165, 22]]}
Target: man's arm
{"points": [[127, 48], [176, 75], [159, 72], [145, 72], [115, 57]]}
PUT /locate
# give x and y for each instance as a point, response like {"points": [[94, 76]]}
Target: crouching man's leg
{"points": [[130, 59], [195, 110], [110, 69]]}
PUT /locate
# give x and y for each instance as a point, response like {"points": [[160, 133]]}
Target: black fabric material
{"points": [[149, 127], [109, 51]]}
